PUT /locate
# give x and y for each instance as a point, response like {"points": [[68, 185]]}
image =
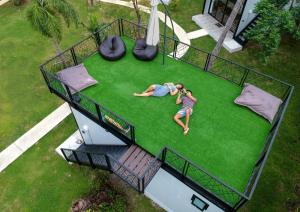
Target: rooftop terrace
{"points": [[229, 141], [224, 138]]}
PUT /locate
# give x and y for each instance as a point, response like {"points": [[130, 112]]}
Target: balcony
{"points": [[227, 146]]}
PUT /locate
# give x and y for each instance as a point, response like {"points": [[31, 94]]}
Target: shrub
{"points": [[174, 5], [18, 2]]}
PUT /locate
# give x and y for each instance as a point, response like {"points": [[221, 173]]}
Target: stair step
{"points": [[127, 153], [137, 161], [133, 157]]}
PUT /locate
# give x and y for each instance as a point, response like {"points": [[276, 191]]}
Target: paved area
{"points": [[178, 30], [3, 2], [73, 142], [208, 23], [16, 149], [197, 34]]}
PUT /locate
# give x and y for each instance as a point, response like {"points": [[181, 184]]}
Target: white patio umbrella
{"points": [[153, 26]]}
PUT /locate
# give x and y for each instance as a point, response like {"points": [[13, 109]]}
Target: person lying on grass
{"points": [[161, 90], [188, 101]]}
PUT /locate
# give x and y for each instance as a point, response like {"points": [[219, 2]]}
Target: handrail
{"points": [[90, 99], [218, 57], [120, 164], [206, 172], [271, 143], [66, 95], [109, 166]]}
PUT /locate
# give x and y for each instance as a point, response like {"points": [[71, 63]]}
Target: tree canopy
{"points": [[275, 21], [46, 16]]}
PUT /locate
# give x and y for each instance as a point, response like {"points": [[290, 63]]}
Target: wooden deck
{"points": [[138, 161]]}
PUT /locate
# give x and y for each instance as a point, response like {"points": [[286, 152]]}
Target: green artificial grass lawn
{"points": [[224, 138]]}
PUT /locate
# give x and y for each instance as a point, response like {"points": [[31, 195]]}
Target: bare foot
{"points": [[186, 130], [135, 94]]}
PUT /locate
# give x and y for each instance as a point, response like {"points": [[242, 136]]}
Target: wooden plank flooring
{"points": [[137, 161]]}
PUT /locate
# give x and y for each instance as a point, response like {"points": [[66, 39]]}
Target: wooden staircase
{"points": [[140, 163]]}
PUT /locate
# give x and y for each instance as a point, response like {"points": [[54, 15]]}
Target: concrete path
{"points": [[3, 2], [16, 149], [178, 30], [215, 30], [197, 34]]}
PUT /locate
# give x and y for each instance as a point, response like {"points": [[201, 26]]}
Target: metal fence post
{"points": [[183, 170], [186, 169], [98, 39], [74, 56], [132, 134], [207, 62], [90, 160], [175, 49], [99, 112], [69, 93], [239, 204], [122, 27], [164, 153], [46, 79], [244, 77], [141, 184], [108, 164], [119, 27], [75, 155], [64, 154]]}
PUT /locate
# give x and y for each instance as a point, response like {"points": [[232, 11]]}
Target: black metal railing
{"points": [[201, 177], [109, 163], [257, 170], [221, 67], [73, 56]]}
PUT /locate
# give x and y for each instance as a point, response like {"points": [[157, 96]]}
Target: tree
{"points": [[93, 24], [275, 21], [139, 18], [46, 17], [296, 15], [238, 5]]}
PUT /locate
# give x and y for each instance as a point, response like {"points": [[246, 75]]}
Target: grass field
{"points": [[25, 100], [219, 138], [40, 180]]}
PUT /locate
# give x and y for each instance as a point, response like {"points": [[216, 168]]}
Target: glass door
{"points": [[221, 9], [217, 9]]}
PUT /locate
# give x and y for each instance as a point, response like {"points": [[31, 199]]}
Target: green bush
{"points": [[18, 2], [174, 5]]}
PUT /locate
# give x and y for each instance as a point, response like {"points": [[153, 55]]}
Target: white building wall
{"points": [[248, 15], [206, 7], [174, 196], [92, 133]]}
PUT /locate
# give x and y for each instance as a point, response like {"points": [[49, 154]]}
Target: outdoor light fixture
{"points": [[198, 203]]}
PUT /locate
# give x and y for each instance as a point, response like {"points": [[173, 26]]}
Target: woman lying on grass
{"points": [[186, 110], [161, 90]]}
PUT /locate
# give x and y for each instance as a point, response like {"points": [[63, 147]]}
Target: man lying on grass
{"points": [[161, 90], [186, 110]]}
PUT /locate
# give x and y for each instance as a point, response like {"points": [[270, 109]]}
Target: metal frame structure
{"points": [[224, 196]]}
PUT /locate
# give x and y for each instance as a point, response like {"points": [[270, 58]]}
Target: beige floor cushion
{"points": [[259, 101]]}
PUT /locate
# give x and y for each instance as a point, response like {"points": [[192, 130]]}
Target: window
{"points": [[198, 203]]}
